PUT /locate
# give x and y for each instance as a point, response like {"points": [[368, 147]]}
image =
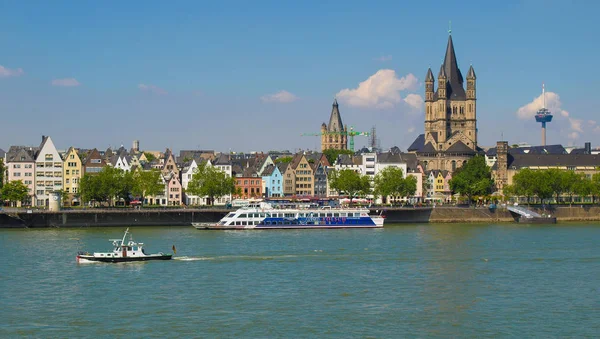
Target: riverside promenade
{"points": [[23, 218]]}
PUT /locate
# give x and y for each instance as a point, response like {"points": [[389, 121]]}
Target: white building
{"points": [[48, 172]]}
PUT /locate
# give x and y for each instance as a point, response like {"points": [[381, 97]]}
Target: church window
{"points": [[454, 110], [453, 165]]}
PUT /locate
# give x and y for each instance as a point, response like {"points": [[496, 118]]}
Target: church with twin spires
{"points": [[450, 137]]}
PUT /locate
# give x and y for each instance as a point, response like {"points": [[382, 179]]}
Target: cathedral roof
{"points": [[428, 148], [417, 144], [335, 120], [454, 85], [459, 147], [429, 76]]}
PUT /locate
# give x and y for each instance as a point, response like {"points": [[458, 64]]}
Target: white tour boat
{"points": [[264, 216], [122, 252]]}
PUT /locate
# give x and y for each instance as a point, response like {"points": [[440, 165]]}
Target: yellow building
{"points": [[303, 174], [72, 172]]}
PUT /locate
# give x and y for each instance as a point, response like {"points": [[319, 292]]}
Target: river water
{"points": [[401, 281]]}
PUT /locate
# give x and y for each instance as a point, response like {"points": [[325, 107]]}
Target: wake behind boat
{"points": [[122, 252], [264, 216]]}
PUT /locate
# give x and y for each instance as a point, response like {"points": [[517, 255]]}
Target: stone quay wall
{"points": [[185, 217]]}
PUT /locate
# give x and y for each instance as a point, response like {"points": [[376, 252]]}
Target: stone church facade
{"points": [[450, 137], [334, 135]]}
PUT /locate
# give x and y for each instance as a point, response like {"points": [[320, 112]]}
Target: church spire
{"points": [[455, 78], [471, 73], [429, 76], [335, 120]]}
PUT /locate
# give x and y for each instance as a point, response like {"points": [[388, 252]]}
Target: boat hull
{"points": [[536, 220], [82, 259], [210, 226]]}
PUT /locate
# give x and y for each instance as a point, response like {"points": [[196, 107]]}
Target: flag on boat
{"points": [[174, 250]]}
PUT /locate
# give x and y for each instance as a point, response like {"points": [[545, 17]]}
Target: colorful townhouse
{"points": [[48, 172], [20, 165], [304, 175], [92, 162], [72, 172], [272, 181]]}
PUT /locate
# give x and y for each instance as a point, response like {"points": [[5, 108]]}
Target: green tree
{"points": [[570, 180], [473, 178], [211, 182], [583, 186], [556, 181], [110, 183], [14, 191], [283, 160], [349, 182], [147, 183], [595, 186], [2, 172], [149, 156], [391, 182], [332, 154], [410, 186], [91, 189]]}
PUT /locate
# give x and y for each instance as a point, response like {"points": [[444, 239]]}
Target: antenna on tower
{"points": [[544, 94]]}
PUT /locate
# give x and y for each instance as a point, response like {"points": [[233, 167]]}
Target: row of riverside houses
{"points": [[44, 169]]}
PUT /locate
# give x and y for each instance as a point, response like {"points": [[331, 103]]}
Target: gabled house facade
{"points": [[48, 172], [273, 182], [20, 165], [289, 178], [72, 172], [304, 185], [249, 184], [169, 164], [173, 189], [92, 162]]}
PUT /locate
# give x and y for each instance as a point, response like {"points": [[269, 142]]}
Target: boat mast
{"points": [[124, 235]]}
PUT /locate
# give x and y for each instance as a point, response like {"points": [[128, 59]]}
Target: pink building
{"points": [[174, 191], [20, 165]]}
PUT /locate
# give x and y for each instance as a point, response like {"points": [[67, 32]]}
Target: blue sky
{"points": [[210, 75]]}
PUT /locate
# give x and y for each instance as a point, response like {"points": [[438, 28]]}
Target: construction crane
{"points": [[351, 134]]}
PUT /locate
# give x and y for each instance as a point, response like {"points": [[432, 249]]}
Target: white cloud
{"points": [[414, 100], [152, 89], [384, 58], [281, 96], [554, 105], [411, 129], [380, 90], [66, 82], [7, 72]]}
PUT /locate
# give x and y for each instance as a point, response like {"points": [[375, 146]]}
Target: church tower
{"points": [[334, 135], [450, 135], [450, 111]]}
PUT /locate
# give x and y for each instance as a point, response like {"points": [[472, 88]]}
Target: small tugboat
{"points": [[122, 252]]}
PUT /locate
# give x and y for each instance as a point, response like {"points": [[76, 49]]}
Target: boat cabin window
{"points": [[243, 215], [336, 214], [330, 214], [289, 215], [230, 215]]}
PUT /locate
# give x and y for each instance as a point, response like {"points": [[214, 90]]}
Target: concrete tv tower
{"points": [[543, 116]]}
